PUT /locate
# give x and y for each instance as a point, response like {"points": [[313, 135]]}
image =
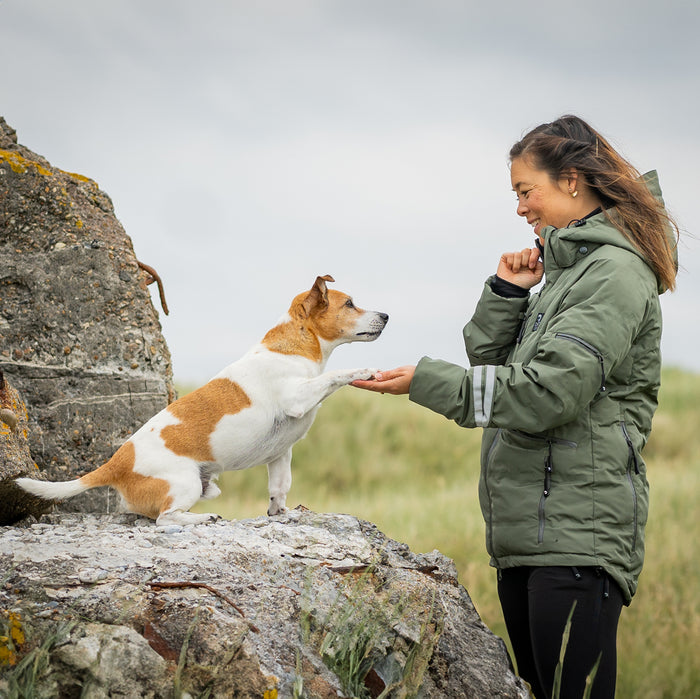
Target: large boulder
{"points": [[79, 336], [15, 459], [299, 605]]}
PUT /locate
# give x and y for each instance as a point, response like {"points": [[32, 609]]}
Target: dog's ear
{"points": [[318, 296]]}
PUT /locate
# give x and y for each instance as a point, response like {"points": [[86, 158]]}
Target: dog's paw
{"points": [[275, 508], [362, 374]]}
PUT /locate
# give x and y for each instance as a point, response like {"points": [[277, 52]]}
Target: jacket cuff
{"points": [[441, 387], [507, 289]]}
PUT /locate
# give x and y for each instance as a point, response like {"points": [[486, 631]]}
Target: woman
{"points": [[564, 383]]}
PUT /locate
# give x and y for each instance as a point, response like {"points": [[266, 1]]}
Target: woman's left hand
{"points": [[394, 381], [524, 268]]}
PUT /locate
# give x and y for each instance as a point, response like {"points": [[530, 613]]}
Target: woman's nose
{"points": [[522, 209]]}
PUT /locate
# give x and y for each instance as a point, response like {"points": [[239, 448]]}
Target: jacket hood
{"points": [[564, 246]]}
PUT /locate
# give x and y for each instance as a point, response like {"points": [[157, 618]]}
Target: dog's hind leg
{"points": [[212, 491], [279, 481], [185, 490], [183, 518], [208, 477]]}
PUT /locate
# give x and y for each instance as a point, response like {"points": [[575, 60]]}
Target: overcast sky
{"points": [[249, 146]]}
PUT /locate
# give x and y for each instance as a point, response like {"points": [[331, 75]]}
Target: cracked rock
{"points": [[268, 607]]}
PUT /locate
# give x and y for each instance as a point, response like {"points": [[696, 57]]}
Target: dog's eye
{"points": [[349, 303]]}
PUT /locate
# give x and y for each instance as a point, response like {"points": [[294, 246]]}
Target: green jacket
{"points": [[564, 383]]}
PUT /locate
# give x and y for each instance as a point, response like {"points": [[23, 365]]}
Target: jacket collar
{"points": [[563, 247]]}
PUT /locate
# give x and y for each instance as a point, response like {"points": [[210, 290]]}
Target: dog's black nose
{"points": [[384, 316]]}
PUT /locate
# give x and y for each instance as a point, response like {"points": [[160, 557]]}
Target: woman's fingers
{"points": [[394, 381], [523, 268]]}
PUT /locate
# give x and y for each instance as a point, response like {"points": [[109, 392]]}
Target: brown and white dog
{"points": [[250, 413]]}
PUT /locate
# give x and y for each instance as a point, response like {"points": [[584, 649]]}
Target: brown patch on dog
{"points": [[293, 338], [145, 495], [198, 413]]}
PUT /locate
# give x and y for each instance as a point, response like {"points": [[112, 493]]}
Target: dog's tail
{"points": [[60, 490], [50, 490]]}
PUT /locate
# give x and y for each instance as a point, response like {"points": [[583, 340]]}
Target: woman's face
{"points": [[542, 201]]}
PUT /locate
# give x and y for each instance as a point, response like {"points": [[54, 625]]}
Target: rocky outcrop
{"points": [[79, 337], [15, 459], [299, 605]]}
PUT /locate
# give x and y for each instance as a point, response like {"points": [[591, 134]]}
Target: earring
{"points": [[574, 194]]}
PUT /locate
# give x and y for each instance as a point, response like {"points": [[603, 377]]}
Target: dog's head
{"points": [[332, 316]]}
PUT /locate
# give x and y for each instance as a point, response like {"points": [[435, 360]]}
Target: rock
{"points": [[302, 604], [15, 459], [79, 336]]}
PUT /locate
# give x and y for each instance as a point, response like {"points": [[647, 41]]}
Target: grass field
{"points": [[415, 475]]}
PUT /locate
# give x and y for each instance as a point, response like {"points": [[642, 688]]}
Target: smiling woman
{"points": [[546, 201], [578, 160], [564, 383]]}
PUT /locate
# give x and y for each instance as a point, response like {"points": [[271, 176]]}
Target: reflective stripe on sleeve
{"points": [[484, 381]]}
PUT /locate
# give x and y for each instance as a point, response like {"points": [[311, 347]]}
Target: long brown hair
{"points": [[568, 143]]}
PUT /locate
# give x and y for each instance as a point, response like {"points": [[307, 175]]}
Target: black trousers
{"points": [[536, 603]]}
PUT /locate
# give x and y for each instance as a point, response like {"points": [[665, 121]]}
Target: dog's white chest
{"points": [[237, 444]]}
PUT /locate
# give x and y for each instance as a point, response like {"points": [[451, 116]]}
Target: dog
{"points": [[249, 414]]}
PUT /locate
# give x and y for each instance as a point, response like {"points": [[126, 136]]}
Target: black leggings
{"points": [[536, 603]]}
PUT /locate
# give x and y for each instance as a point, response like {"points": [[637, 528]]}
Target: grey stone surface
{"points": [[265, 607]]}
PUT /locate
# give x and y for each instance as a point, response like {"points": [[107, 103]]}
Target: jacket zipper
{"points": [[545, 492], [632, 459], [630, 446], [590, 348], [488, 490], [521, 332]]}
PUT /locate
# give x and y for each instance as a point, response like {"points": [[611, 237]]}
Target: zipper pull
{"points": [[602, 373], [548, 472]]}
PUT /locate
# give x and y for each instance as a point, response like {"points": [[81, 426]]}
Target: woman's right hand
{"points": [[523, 268], [394, 381]]}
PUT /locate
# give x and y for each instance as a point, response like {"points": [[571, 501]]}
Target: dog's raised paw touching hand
{"points": [[363, 374]]}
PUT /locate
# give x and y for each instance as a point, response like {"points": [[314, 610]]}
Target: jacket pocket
{"points": [[589, 348], [548, 472], [632, 465]]}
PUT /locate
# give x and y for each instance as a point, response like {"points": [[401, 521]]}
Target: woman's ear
{"points": [[571, 177]]}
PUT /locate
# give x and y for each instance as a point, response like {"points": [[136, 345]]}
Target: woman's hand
{"points": [[523, 268], [394, 381]]}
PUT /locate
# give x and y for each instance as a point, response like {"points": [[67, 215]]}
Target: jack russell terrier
{"points": [[250, 413]]}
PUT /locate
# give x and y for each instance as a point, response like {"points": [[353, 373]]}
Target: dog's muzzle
{"points": [[377, 324]]}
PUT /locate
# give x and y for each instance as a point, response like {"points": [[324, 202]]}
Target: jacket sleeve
{"points": [[493, 330], [591, 332]]}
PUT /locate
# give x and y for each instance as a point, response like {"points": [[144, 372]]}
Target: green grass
{"points": [[415, 475]]}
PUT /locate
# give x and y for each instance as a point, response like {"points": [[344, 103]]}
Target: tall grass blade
{"points": [[556, 687]]}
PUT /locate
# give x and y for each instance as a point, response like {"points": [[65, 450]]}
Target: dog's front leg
{"points": [[302, 397], [279, 481]]}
